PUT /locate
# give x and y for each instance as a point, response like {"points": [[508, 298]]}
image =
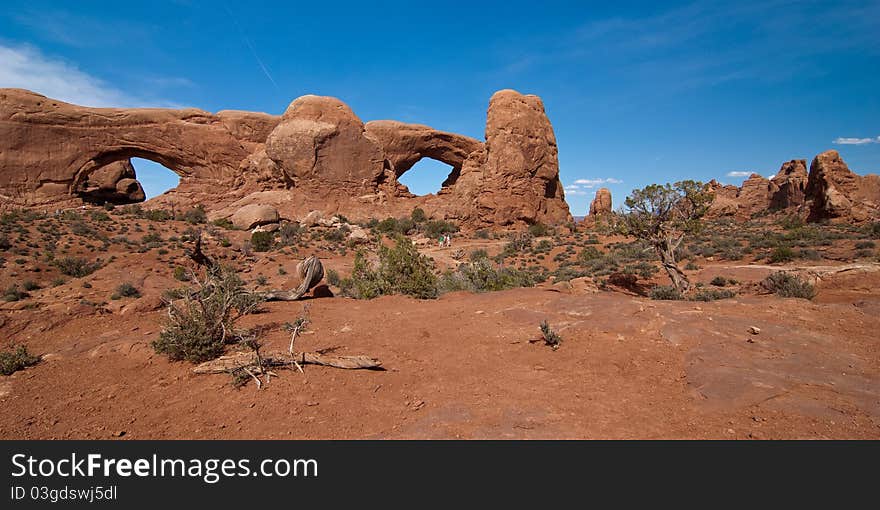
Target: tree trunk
{"points": [[667, 257]]}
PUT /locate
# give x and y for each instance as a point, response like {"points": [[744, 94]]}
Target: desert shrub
{"points": [[810, 254], [478, 255], [539, 230], [691, 266], [15, 359], [551, 337], [781, 254], [262, 241], [481, 234], [5, 244], [588, 254], [196, 215], [14, 293], [666, 293], [518, 242], [712, 294], [223, 223], [789, 285], [180, 274], [865, 245], [873, 230], [336, 235], [76, 267], [152, 237], [156, 215], [543, 246], [719, 281], [482, 276], [418, 215], [435, 228], [291, 233], [30, 285], [642, 268], [791, 222], [401, 270], [201, 320], [125, 290], [395, 226], [333, 277]]}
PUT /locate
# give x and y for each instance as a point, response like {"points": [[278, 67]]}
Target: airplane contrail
{"points": [[251, 47]]}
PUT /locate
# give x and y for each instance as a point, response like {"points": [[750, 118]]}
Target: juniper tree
{"points": [[663, 215]]}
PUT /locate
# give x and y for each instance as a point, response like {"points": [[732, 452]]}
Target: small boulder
{"points": [[254, 215]]}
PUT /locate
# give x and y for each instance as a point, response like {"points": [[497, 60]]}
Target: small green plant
{"points": [[418, 215], [126, 290], [666, 293], [201, 320], [712, 294], [789, 285], [30, 285], [781, 254], [14, 293], [550, 337], [180, 274], [333, 277], [719, 281], [262, 241], [539, 230], [76, 267], [195, 216], [15, 359]]}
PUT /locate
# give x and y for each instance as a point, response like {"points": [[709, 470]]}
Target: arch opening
{"points": [[428, 176], [155, 178]]}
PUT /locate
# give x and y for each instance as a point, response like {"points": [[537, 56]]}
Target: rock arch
{"points": [[406, 144], [52, 146]]}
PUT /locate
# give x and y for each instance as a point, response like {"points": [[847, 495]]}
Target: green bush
{"points": [[180, 274], [14, 293], [418, 215], [195, 215], [434, 228], [13, 360], [262, 241], [401, 270], [76, 267], [540, 230], [30, 285], [666, 293], [333, 277], [719, 281], [713, 294], [201, 320], [866, 245], [789, 285], [290, 233], [781, 254], [125, 290], [551, 337], [482, 276]]}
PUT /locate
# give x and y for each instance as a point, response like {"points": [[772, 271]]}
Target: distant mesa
{"points": [[317, 156], [830, 191]]}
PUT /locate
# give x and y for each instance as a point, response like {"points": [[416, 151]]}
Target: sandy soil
{"points": [[461, 366]]}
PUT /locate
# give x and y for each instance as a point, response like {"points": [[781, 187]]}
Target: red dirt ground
{"points": [[462, 366]]}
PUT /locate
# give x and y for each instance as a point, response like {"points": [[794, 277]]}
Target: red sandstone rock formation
{"points": [[790, 182], [317, 156], [834, 191], [830, 191], [601, 204]]}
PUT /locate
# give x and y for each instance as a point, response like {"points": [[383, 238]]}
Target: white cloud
{"points": [[592, 183], [739, 174], [856, 141], [27, 68]]}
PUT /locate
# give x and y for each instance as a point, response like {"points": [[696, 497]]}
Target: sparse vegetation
{"points": [[401, 270], [789, 285], [202, 320], [15, 359], [666, 293], [76, 267], [550, 337], [126, 290], [262, 241]]}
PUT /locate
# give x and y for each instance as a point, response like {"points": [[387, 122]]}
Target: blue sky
{"points": [[638, 92]]}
